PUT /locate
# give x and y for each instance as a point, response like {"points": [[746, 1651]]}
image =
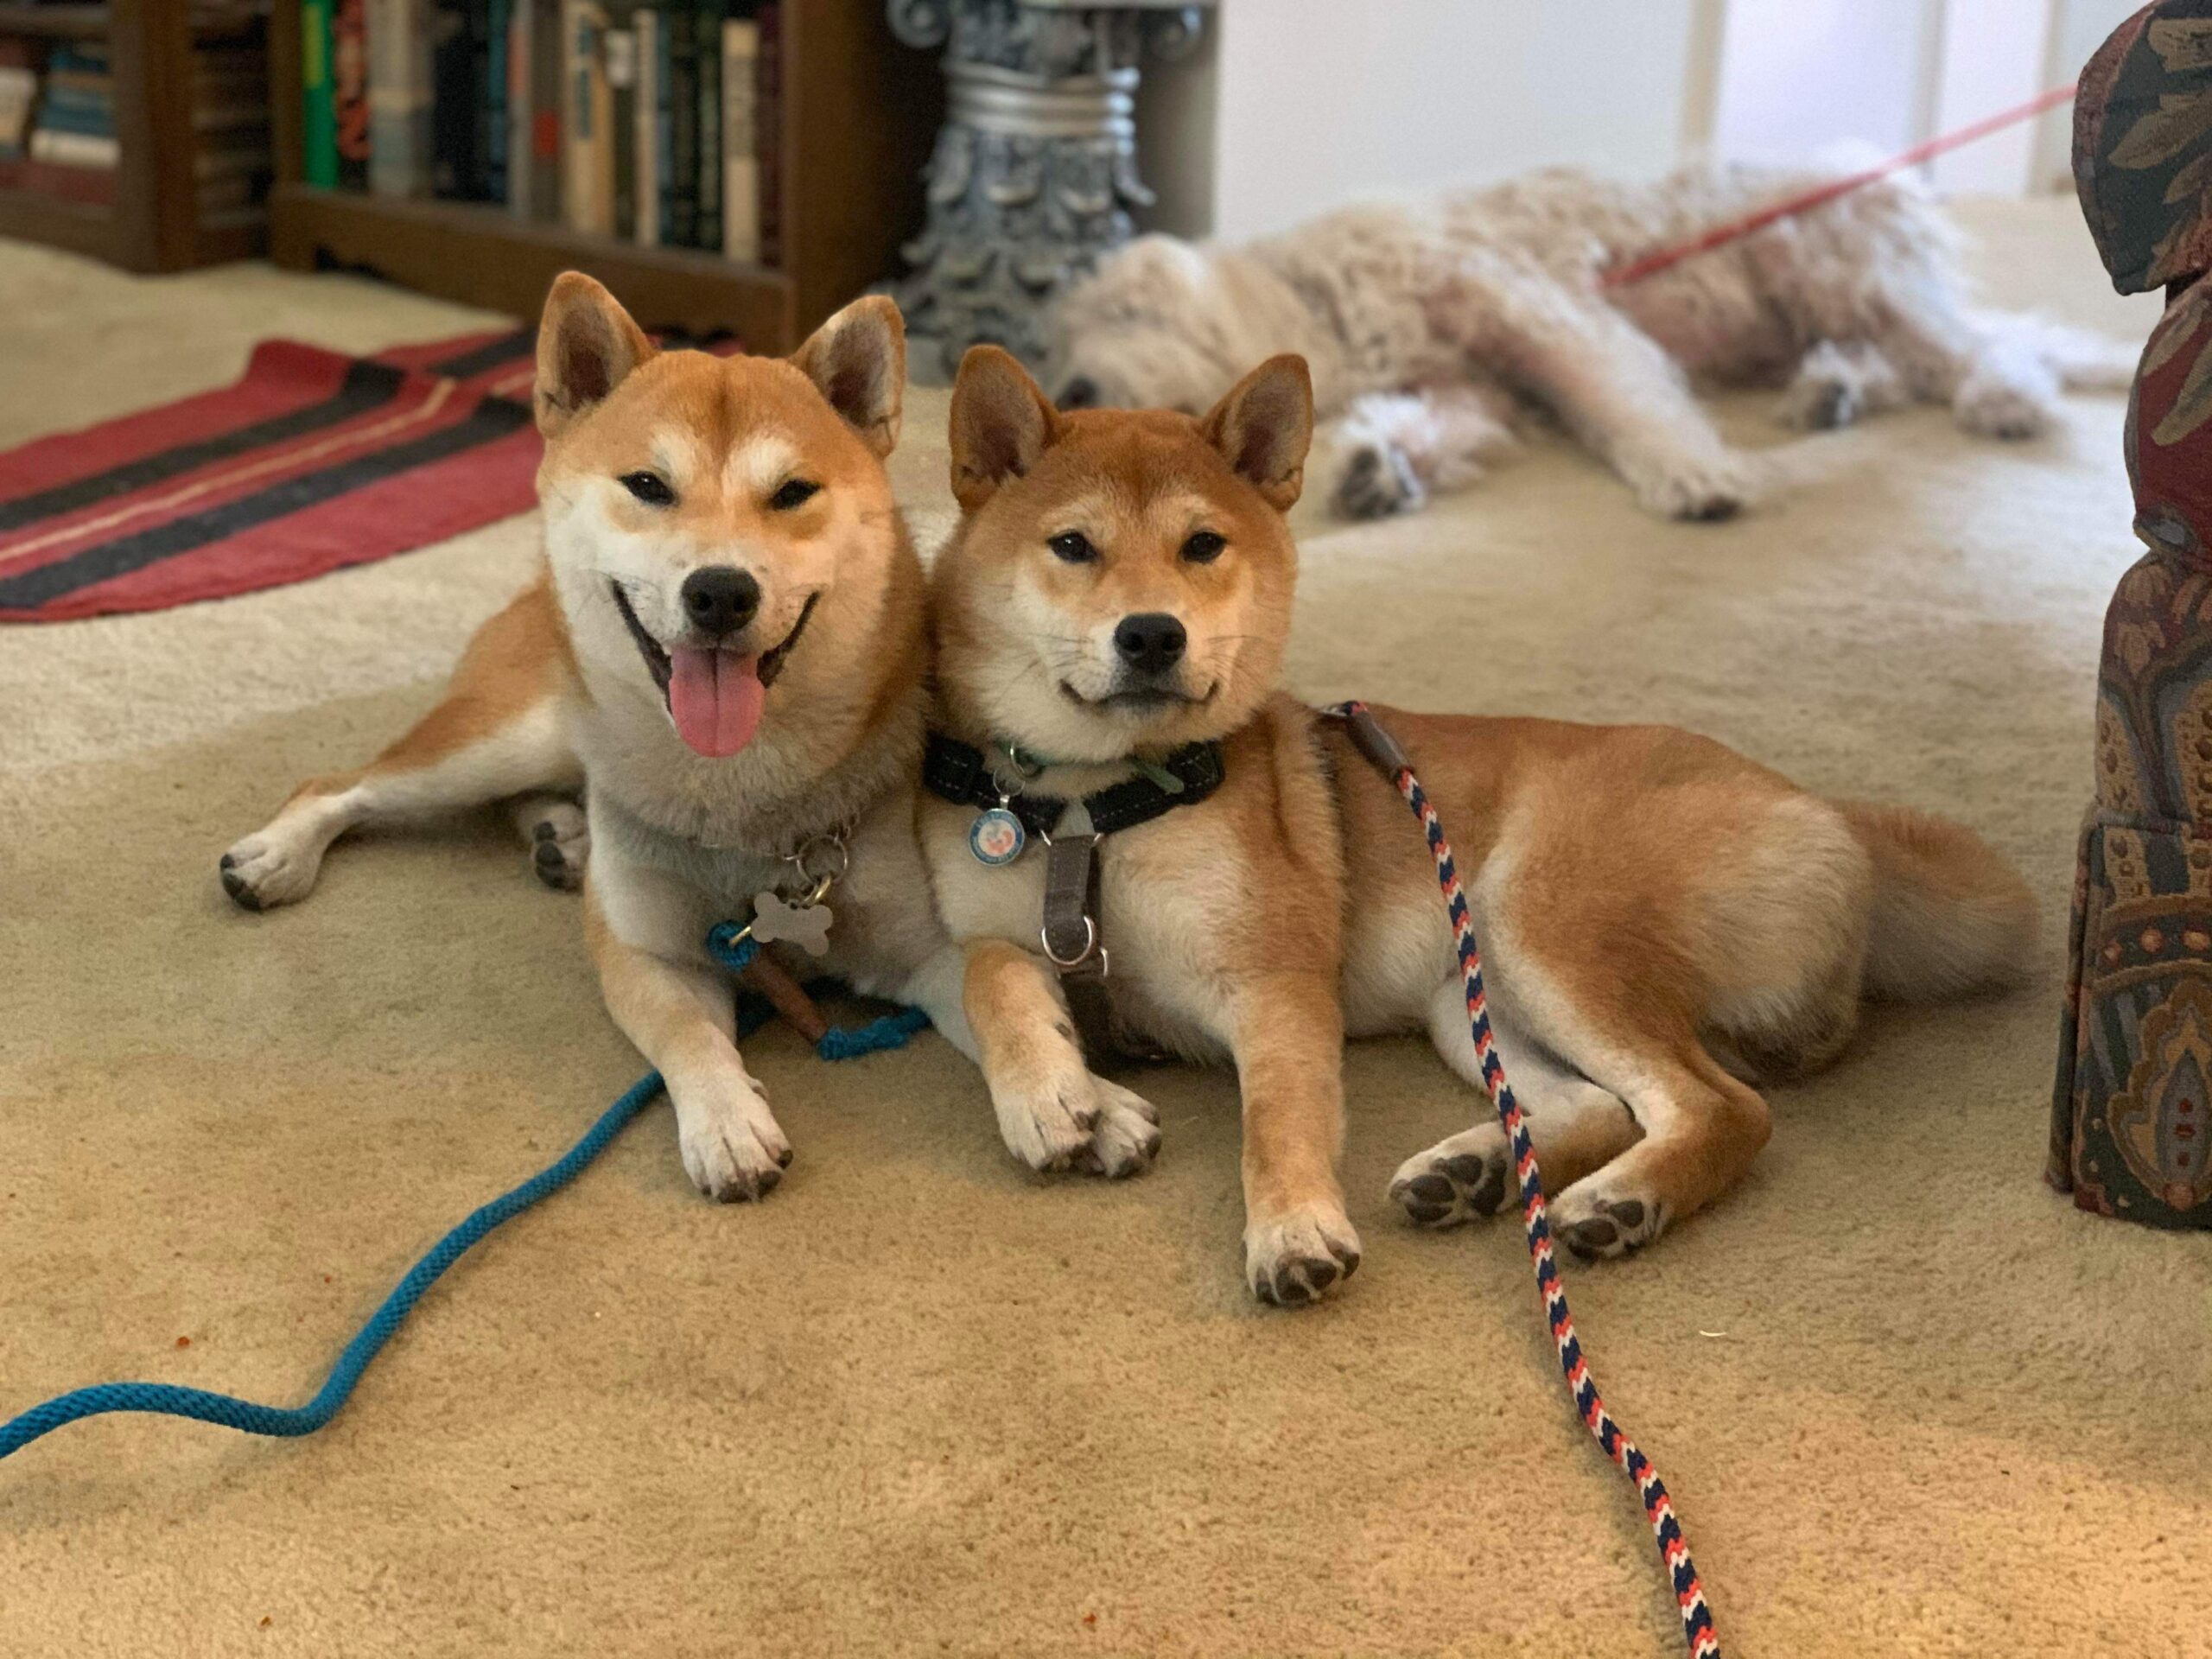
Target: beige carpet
{"points": [[1909, 1401]]}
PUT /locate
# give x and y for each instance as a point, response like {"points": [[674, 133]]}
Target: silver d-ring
{"points": [[1090, 946]]}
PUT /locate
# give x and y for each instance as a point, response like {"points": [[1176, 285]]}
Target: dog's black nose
{"points": [[721, 599], [1082, 392], [1150, 641]]}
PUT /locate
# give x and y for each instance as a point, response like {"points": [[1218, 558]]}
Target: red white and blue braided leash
{"points": [[1658, 1508]]}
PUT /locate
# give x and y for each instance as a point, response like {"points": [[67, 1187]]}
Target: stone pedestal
{"points": [[1035, 171]]}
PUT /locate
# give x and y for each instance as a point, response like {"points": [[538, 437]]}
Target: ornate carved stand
{"points": [[1035, 168]]}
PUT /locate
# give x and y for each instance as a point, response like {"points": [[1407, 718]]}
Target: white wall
{"points": [[1797, 76], [2078, 30], [1293, 106], [1315, 102]]}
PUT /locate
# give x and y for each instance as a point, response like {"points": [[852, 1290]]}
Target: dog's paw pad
{"points": [[261, 872], [1994, 410], [559, 849], [1378, 481], [1124, 1139], [1603, 1228], [1299, 1260], [1453, 1183]]}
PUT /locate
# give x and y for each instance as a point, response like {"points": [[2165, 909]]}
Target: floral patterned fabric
{"points": [[2131, 1130]]}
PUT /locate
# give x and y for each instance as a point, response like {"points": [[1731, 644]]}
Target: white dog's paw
{"points": [[1126, 1138], [1707, 489], [270, 868], [1992, 407], [1461, 1179], [1300, 1257], [560, 844], [1046, 1114], [1595, 1218], [734, 1151], [1377, 481]]}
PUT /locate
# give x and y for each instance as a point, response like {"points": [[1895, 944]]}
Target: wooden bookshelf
{"points": [[155, 224], [859, 114]]}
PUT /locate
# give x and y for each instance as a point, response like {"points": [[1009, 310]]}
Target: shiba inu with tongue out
{"points": [[726, 653]]}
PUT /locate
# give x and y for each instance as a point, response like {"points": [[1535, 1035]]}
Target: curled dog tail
{"points": [[1949, 915]]}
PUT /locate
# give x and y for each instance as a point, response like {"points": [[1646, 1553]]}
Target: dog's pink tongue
{"points": [[716, 697]]}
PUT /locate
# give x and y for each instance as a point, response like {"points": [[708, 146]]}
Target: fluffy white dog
{"points": [[1433, 329]]}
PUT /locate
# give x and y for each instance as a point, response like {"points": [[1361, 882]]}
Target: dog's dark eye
{"points": [[1204, 547], [650, 488], [1073, 546], [796, 493]]}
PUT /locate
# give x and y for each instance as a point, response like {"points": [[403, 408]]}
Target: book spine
{"points": [[740, 151], [499, 15], [452, 101], [74, 149], [318, 116], [545, 100], [520, 56], [586, 111], [680, 174], [768, 130], [399, 98], [621, 46], [707, 20], [349, 88], [645, 188]]}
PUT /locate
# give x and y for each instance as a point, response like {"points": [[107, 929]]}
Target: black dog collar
{"points": [[961, 773]]}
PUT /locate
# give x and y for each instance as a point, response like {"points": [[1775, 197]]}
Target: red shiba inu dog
{"points": [[726, 648], [1662, 918]]}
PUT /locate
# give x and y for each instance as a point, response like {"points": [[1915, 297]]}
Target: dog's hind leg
{"points": [[1997, 384], [1619, 392], [1390, 451], [1575, 1126], [498, 732]]}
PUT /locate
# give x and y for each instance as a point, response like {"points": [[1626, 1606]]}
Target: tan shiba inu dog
{"points": [[727, 647], [1662, 918]]}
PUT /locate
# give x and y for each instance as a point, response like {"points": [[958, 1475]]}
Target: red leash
{"points": [[1651, 264]]}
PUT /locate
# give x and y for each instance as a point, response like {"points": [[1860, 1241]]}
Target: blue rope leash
{"points": [[892, 1031]]}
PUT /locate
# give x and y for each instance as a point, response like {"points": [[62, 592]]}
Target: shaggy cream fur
{"points": [[1433, 327]]}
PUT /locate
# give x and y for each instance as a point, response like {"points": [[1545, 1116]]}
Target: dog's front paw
{"points": [[1592, 1221], [1046, 1114], [1126, 1138], [1378, 481], [1705, 490], [560, 846], [1458, 1179], [732, 1148], [266, 869], [1299, 1257]]}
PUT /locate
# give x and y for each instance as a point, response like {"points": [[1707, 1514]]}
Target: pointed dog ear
{"points": [[1001, 421], [858, 359], [587, 346], [1263, 427]]}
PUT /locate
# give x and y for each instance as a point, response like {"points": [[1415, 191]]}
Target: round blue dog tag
{"points": [[996, 836]]}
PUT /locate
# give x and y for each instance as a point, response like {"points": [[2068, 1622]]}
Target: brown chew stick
{"points": [[764, 975]]}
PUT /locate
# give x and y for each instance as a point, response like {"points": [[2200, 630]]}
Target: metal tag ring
{"points": [[824, 859]]}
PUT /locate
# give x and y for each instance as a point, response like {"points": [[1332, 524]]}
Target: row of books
{"points": [[58, 133], [658, 123], [61, 110]]}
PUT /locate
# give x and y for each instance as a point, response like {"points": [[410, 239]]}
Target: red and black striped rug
{"points": [[313, 461]]}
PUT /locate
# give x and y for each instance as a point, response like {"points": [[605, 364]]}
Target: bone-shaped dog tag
{"points": [[806, 925]]}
